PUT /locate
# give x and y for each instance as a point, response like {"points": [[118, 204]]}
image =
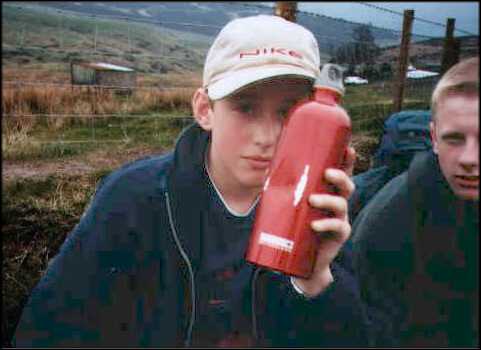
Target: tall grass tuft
{"points": [[24, 106]]}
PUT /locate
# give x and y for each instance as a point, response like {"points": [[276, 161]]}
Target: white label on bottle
{"points": [[276, 242], [301, 185]]}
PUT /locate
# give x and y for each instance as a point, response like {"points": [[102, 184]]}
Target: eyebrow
{"points": [[254, 96], [243, 96]]}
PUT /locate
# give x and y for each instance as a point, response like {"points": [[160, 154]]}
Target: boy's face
{"points": [[245, 129], [455, 136]]}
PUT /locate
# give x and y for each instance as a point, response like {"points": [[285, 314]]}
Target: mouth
{"points": [[467, 181], [257, 162]]}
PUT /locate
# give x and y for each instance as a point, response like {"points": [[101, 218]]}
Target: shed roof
{"points": [[419, 74], [105, 66]]}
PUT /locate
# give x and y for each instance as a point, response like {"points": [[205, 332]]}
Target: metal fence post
{"points": [[95, 38], [403, 60], [450, 48], [286, 10]]}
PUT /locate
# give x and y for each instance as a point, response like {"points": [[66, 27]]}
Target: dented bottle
{"points": [[315, 137]]}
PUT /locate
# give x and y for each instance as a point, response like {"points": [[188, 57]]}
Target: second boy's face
{"points": [[246, 128], [455, 135]]}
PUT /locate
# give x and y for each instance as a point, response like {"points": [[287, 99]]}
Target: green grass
{"points": [[43, 143], [368, 106]]}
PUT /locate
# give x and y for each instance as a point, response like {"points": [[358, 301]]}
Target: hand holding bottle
{"points": [[333, 231]]}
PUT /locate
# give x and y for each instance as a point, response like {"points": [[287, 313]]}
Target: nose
{"points": [[469, 157], [268, 129]]}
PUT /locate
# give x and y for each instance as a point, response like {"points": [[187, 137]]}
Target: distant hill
{"points": [[427, 54], [211, 16]]}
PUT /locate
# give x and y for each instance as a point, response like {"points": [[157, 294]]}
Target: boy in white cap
{"points": [[158, 258]]}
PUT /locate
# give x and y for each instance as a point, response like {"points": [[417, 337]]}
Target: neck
{"points": [[237, 197], [240, 205]]}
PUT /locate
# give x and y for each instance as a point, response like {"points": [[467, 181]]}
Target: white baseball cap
{"points": [[252, 49]]}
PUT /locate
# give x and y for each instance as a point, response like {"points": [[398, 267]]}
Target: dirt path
{"points": [[102, 159], [12, 170]]}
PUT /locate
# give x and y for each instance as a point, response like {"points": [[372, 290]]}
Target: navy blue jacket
{"points": [[416, 254], [126, 275]]}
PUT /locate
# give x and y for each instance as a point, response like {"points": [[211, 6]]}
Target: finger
{"points": [[341, 181], [349, 160], [333, 229], [336, 205]]}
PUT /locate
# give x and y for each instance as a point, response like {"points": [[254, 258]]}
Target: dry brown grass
{"points": [[35, 73], [23, 110], [171, 80], [22, 101], [55, 107], [51, 99]]}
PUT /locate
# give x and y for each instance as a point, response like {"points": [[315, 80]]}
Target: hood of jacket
{"points": [[186, 185]]}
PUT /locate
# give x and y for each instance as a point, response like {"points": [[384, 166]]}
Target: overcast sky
{"points": [[466, 14]]}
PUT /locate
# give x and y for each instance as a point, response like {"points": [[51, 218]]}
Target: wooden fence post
{"points": [[403, 60], [286, 9], [451, 47]]}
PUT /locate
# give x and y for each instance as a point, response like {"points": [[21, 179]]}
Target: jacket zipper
{"points": [[188, 339], [253, 304]]}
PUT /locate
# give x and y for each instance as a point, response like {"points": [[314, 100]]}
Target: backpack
{"points": [[404, 134]]}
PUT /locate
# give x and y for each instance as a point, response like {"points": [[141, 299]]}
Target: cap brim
{"points": [[244, 78]]}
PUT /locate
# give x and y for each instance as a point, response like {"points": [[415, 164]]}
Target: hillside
{"points": [[39, 34], [427, 54], [213, 15]]}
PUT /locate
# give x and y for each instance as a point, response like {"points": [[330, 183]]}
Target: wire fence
{"points": [[153, 48]]}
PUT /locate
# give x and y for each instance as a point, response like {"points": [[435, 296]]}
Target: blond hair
{"points": [[462, 78]]}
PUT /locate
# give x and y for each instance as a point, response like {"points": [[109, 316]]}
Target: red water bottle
{"points": [[314, 138]]}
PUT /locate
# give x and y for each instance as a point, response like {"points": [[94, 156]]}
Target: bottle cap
{"points": [[331, 78]]}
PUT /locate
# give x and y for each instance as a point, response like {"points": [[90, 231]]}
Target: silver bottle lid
{"points": [[331, 78]]}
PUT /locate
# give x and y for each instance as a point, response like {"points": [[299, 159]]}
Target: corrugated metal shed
{"points": [[101, 74]]}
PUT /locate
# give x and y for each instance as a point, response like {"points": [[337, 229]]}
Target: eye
{"points": [[454, 139], [244, 107]]}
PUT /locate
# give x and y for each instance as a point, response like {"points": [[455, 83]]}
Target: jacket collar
{"points": [[446, 226], [187, 188], [425, 175]]}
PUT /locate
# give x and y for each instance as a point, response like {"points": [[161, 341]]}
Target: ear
{"points": [[202, 109], [434, 140]]}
